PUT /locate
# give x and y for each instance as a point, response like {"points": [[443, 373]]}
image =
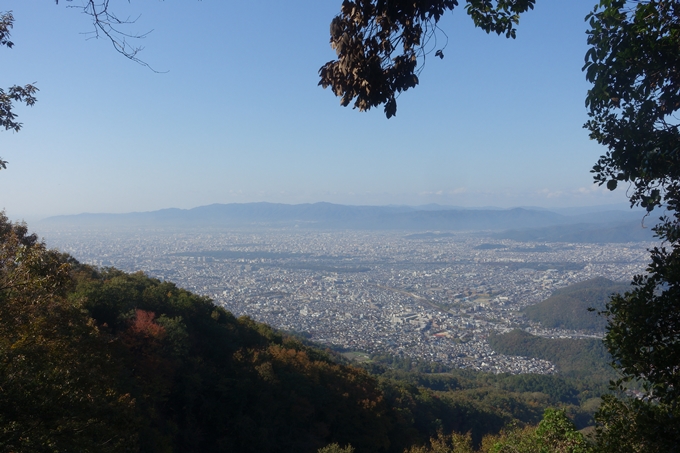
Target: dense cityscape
{"points": [[430, 296]]}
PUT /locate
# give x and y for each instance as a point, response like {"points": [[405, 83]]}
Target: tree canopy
{"points": [[380, 44], [634, 66]]}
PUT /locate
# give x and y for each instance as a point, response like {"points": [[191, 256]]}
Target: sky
{"points": [[235, 114]]}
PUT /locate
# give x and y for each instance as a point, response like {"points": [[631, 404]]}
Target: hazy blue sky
{"points": [[239, 117]]}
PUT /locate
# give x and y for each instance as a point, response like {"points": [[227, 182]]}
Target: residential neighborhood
{"points": [[434, 297]]}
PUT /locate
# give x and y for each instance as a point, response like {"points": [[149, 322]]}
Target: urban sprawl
{"points": [[430, 296]]}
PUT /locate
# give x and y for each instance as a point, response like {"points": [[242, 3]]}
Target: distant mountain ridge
{"points": [[334, 216], [323, 215]]}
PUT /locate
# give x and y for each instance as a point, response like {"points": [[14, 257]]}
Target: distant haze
{"points": [[239, 117], [523, 224]]}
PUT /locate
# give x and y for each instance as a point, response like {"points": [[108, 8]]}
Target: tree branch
{"points": [[107, 24]]}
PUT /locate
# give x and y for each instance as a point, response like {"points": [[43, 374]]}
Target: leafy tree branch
{"points": [[381, 45]]}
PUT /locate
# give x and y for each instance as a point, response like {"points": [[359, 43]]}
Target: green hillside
{"points": [[102, 360], [580, 359], [567, 308], [523, 396], [145, 366]]}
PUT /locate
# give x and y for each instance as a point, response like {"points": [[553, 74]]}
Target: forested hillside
{"points": [[134, 363], [523, 397], [579, 359], [567, 308], [101, 360]]}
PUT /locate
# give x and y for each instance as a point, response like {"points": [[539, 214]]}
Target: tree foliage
{"points": [[335, 448], [633, 425], [14, 94], [59, 389], [634, 66], [452, 443], [554, 434], [380, 44]]}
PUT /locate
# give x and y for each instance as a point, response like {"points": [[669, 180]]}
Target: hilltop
{"points": [[567, 308]]}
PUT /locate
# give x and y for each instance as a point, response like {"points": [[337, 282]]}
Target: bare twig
{"points": [[107, 24]]}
